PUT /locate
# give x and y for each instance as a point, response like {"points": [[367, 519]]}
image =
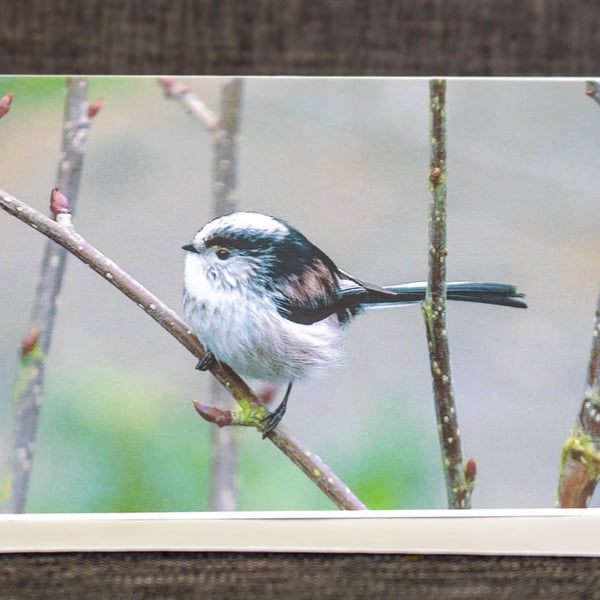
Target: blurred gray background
{"points": [[346, 161]]}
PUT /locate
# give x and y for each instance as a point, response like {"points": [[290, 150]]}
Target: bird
{"points": [[273, 306]]}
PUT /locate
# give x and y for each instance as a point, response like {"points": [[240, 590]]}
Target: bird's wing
{"points": [[324, 290], [310, 295]]}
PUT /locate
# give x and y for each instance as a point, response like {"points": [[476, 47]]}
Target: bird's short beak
{"points": [[190, 248]]}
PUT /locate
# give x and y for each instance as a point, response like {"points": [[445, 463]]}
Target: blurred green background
{"points": [[346, 161]]}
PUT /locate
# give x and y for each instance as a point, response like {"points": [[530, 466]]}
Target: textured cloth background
{"points": [[234, 576], [342, 37], [558, 37]]}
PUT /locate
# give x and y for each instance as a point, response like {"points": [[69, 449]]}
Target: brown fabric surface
{"points": [[312, 576], [295, 36], [342, 37]]}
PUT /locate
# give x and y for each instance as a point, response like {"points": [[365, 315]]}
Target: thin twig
{"points": [[459, 477], [193, 105], [29, 386], [63, 233]]}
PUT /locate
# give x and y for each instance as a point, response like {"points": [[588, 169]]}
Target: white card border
{"points": [[543, 532]]}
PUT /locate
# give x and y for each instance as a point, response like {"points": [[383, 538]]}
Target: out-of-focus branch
{"points": [[29, 387], [225, 151], [459, 477], [224, 443], [250, 411], [177, 90], [224, 127]]}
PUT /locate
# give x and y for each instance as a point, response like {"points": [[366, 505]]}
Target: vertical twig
{"points": [[224, 440], [459, 477], [29, 385]]}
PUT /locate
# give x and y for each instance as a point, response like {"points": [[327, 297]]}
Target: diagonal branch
{"points": [[250, 411], [459, 477], [36, 343]]}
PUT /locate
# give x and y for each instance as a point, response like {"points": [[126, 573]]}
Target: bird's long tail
{"points": [[467, 291]]}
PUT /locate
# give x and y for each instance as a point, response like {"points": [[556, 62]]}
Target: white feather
{"points": [[245, 221]]}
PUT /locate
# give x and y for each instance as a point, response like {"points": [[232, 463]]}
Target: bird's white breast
{"points": [[239, 322]]}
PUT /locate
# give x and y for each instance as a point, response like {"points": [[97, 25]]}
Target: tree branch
{"points": [[29, 386], [459, 477], [250, 409], [580, 457]]}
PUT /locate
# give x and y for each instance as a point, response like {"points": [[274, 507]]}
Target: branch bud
{"points": [[167, 84], [435, 175], [470, 471], [5, 103], [94, 107], [59, 204], [212, 414], [29, 341], [591, 88]]}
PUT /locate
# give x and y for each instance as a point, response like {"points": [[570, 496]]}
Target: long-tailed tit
{"points": [[273, 306]]}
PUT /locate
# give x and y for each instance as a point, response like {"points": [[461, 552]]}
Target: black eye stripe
{"points": [[283, 256], [239, 243]]}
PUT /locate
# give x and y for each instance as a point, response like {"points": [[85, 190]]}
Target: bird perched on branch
{"points": [[267, 302]]}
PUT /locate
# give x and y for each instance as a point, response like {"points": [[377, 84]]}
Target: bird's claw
{"points": [[206, 361], [271, 420]]}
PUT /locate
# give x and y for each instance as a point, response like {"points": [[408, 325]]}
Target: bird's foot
{"points": [[273, 419], [206, 361]]}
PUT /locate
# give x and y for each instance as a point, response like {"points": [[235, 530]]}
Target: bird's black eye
{"points": [[223, 253]]}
